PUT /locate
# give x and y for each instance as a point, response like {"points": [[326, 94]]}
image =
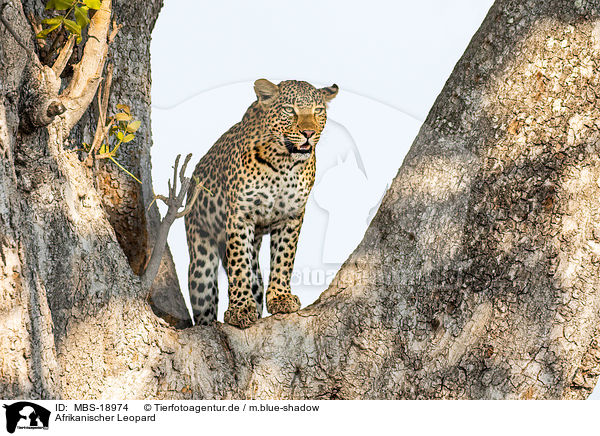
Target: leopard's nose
{"points": [[308, 133]]}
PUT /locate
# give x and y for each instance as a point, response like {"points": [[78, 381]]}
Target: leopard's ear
{"points": [[266, 92], [329, 92]]}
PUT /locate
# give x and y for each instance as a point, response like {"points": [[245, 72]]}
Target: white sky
{"points": [[389, 58]]}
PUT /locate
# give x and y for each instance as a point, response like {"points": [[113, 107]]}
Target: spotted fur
{"points": [[257, 176]]}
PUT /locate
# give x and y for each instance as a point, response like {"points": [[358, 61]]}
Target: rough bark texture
{"points": [[124, 199], [478, 277]]}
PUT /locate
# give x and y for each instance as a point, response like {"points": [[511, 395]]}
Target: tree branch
{"points": [[43, 104], [63, 56], [191, 202], [88, 72], [37, 28], [174, 202], [40, 100], [101, 127]]}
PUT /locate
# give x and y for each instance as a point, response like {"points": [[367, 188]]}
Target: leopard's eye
{"points": [[319, 110], [289, 110]]}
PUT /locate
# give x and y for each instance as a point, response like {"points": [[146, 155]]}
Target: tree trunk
{"points": [[478, 277]]}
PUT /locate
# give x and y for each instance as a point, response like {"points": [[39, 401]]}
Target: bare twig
{"points": [[106, 94], [101, 127], [173, 192], [37, 28], [162, 198], [191, 201], [113, 33], [174, 202], [58, 39], [63, 56]]}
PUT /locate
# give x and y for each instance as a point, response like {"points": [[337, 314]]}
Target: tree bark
{"points": [[125, 200], [477, 278]]}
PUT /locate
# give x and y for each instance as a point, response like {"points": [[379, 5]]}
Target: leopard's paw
{"points": [[283, 303], [242, 316]]}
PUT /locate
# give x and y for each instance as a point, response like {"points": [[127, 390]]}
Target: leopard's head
{"points": [[294, 113]]}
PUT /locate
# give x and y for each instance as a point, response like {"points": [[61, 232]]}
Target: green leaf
{"points": [[128, 138], [81, 16], [59, 5], [93, 4], [124, 108], [44, 33], [133, 126], [52, 21], [122, 116], [120, 136], [73, 27], [103, 148]]}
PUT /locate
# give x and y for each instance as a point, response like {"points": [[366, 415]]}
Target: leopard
{"points": [[255, 180]]}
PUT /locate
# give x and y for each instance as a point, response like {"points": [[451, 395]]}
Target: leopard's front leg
{"points": [[242, 311], [284, 240]]}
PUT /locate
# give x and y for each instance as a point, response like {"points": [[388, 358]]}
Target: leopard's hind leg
{"points": [[202, 278], [257, 281]]}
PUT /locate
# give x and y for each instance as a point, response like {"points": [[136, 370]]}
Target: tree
{"points": [[477, 278]]}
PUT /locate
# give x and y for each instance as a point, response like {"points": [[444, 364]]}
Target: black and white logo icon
{"points": [[26, 415]]}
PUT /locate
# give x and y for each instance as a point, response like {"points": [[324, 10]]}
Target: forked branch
{"points": [[174, 202], [44, 104], [40, 102]]}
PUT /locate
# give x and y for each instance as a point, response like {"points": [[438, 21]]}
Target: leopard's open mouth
{"points": [[306, 147]]}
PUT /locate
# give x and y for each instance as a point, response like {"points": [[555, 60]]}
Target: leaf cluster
{"points": [[121, 129], [74, 20], [123, 126]]}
